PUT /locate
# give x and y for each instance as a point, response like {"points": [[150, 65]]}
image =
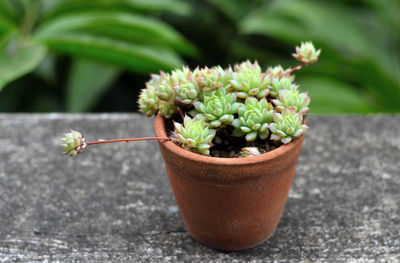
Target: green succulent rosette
{"points": [[167, 108], [248, 80], [159, 96], [307, 53], [213, 78], [155, 79], [281, 84], [185, 85], [254, 119], [217, 108], [194, 135], [292, 99], [148, 101], [286, 126], [164, 89], [73, 143], [276, 72]]}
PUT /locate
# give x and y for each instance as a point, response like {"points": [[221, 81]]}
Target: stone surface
{"points": [[113, 203]]}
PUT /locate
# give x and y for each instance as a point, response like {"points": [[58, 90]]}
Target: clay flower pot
{"points": [[229, 203]]}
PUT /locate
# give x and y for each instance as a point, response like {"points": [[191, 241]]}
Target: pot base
{"points": [[229, 245]]}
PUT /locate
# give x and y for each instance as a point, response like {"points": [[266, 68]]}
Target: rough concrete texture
{"points": [[113, 203]]}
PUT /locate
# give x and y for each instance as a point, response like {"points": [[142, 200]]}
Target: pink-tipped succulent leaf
{"points": [[286, 126], [292, 99], [254, 119], [194, 135], [248, 151]]}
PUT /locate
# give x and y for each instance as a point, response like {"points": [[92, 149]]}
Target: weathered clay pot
{"points": [[229, 203]]}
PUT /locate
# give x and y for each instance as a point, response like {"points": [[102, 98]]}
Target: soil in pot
{"points": [[226, 145]]}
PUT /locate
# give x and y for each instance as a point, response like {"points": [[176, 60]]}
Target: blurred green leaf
{"points": [[173, 6], [325, 100], [338, 28], [139, 58], [87, 82], [148, 6], [5, 34], [6, 26], [19, 58], [6, 11], [235, 9], [117, 25], [309, 19]]}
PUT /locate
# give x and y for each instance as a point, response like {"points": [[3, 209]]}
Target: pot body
{"points": [[229, 203]]}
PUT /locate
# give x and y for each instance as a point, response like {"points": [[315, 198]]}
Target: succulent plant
{"points": [[73, 143], [167, 108], [248, 151], [254, 119], [281, 84], [164, 89], [213, 78], [194, 135], [217, 108], [248, 80], [306, 53], [286, 126], [292, 99], [186, 87], [259, 105], [159, 96], [155, 79], [276, 72], [148, 101]]}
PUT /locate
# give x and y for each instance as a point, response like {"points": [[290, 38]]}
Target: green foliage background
{"points": [[79, 55]]}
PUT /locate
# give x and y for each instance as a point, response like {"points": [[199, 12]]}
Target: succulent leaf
{"points": [[166, 108], [281, 84], [185, 86], [292, 99], [287, 125], [148, 101], [248, 80], [276, 72], [217, 108], [73, 143], [213, 78], [254, 118], [155, 79], [159, 95], [194, 135], [165, 90], [248, 151], [307, 53]]}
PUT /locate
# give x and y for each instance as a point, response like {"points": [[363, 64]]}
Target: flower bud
{"points": [[73, 143], [306, 53]]}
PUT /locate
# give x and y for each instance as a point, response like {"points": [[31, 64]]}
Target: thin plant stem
{"points": [[180, 111], [130, 140], [291, 70]]}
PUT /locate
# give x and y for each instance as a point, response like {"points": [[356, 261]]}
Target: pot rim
{"points": [[159, 128]]}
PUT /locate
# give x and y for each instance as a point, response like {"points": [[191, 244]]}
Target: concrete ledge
{"points": [[114, 203]]}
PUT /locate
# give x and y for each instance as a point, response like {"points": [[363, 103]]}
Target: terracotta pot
{"points": [[229, 203]]}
